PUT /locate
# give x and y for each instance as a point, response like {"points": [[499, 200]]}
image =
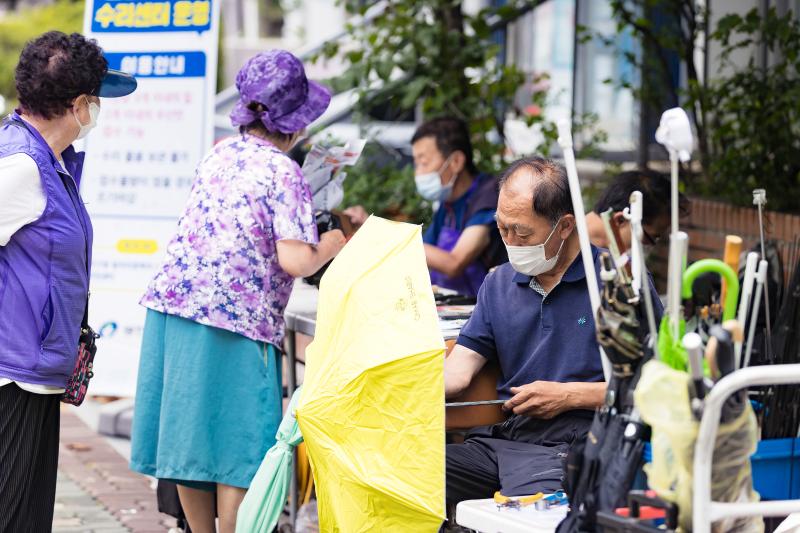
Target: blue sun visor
{"points": [[115, 84]]}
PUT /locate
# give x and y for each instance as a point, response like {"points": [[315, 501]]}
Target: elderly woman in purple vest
{"points": [[208, 400], [45, 255]]}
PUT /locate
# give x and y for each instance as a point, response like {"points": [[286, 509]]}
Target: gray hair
{"points": [[551, 198]]}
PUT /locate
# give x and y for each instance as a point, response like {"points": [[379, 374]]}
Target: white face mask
{"points": [[532, 260], [94, 113], [429, 185]]}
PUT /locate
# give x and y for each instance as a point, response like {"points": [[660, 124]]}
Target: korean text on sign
{"points": [[170, 15]]}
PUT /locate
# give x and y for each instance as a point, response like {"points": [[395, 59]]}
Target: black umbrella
{"points": [[602, 467]]}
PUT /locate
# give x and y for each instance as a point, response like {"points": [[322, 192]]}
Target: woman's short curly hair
{"points": [[54, 69]]}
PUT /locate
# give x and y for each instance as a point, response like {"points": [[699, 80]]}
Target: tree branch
{"points": [[647, 34]]}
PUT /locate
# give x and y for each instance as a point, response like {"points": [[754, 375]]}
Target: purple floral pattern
{"points": [[277, 80], [221, 267]]}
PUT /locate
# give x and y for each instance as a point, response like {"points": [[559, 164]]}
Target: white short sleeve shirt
{"points": [[22, 201]]}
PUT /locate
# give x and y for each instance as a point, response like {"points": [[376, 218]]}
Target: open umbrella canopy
{"points": [[372, 408]]}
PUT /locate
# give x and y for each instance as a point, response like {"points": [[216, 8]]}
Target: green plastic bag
{"points": [[266, 497]]}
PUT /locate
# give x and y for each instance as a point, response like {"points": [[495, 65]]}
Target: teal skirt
{"points": [[208, 403]]}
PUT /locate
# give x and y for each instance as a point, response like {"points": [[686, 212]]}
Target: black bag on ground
{"points": [[170, 503]]}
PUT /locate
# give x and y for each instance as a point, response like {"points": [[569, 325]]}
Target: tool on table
{"points": [[517, 502], [470, 404], [551, 500], [760, 199]]}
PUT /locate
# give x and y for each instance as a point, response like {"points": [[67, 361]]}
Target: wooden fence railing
{"points": [[709, 223]]}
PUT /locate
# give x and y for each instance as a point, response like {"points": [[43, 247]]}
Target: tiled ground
{"points": [[96, 491]]}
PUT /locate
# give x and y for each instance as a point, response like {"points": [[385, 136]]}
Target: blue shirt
{"points": [[534, 337], [452, 215], [476, 207]]}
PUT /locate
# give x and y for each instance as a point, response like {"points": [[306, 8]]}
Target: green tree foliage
{"points": [[746, 115], [19, 27], [430, 56], [754, 113], [419, 52], [383, 184]]}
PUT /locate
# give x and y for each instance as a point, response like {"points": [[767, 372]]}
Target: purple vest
{"points": [[44, 268]]}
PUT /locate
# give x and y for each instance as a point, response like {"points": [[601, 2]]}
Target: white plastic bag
{"points": [[323, 171]]}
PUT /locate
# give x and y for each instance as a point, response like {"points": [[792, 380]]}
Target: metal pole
{"points": [[761, 279], [744, 301], [678, 244], [760, 199], [471, 404], [674, 178], [291, 385]]}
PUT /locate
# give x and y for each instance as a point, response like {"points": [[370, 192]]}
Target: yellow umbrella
{"points": [[372, 407]]}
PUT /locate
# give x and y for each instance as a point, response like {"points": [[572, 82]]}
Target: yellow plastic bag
{"points": [[372, 406], [662, 398]]}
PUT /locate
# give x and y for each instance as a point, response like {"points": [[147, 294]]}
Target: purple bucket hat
{"points": [[277, 80]]}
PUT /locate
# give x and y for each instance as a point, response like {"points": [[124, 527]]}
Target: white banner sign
{"points": [[140, 160]]}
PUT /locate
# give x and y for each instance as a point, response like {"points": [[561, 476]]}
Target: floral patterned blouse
{"points": [[221, 268]]}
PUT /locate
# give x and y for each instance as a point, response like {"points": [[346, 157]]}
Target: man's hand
{"points": [[540, 399], [547, 399], [358, 215], [472, 242]]}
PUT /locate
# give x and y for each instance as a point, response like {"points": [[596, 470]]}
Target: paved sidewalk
{"points": [[76, 511], [96, 491]]}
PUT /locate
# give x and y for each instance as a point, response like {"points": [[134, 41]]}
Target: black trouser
{"points": [[518, 457], [29, 429]]}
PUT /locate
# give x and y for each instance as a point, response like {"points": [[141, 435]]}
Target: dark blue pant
{"points": [[520, 456]]}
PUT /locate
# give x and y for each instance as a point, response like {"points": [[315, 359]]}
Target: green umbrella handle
{"points": [[714, 265]]}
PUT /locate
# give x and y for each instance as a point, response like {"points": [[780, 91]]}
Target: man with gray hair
{"points": [[534, 319]]}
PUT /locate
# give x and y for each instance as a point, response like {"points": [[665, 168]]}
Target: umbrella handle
{"points": [[704, 266]]}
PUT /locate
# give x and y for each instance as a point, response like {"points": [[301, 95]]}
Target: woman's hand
{"points": [[331, 243], [301, 259]]}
